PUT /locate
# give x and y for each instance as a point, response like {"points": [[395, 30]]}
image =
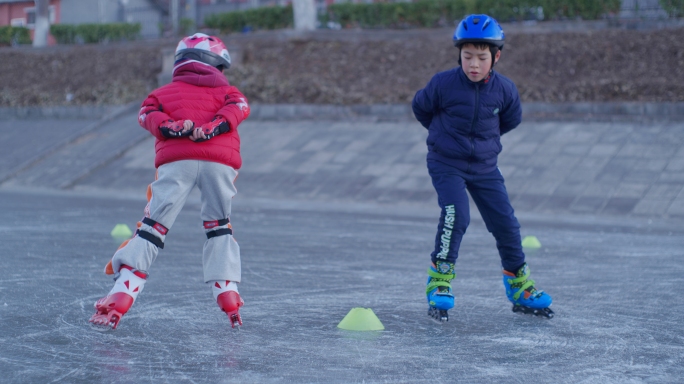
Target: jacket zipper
{"points": [[472, 126]]}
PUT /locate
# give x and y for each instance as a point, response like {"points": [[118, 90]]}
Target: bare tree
{"points": [[304, 15], [42, 26]]}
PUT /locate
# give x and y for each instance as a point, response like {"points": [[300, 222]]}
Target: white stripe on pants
{"points": [[221, 254]]}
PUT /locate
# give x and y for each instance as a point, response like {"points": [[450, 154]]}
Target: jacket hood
{"points": [[197, 73]]}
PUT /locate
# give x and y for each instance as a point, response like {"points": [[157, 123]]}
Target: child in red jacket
{"points": [[195, 121]]}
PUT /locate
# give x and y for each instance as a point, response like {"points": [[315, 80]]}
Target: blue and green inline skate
{"points": [[439, 293], [525, 297]]}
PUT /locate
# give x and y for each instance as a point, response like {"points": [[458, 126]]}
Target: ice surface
{"points": [[617, 292]]}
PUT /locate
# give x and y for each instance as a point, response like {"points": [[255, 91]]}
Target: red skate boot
{"points": [[111, 308], [229, 300]]}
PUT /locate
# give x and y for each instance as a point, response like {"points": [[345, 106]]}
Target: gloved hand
{"points": [[178, 128], [215, 127]]}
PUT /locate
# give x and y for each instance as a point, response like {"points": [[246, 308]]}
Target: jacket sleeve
{"points": [[426, 103], [511, 115], [151, 116], [235, 108]]}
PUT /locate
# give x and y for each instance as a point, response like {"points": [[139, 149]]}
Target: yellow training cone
{"points": [[361, 319], [121, 231], [531, 242]]}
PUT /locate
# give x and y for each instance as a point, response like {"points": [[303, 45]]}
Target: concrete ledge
{"points": [[666, 111], [309, 111], [66, 112], [674, 111], [108, 114]]}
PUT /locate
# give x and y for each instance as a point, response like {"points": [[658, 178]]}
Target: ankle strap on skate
{"points": [[219, 231], [439, 280], [137, 272], [524, 282]]}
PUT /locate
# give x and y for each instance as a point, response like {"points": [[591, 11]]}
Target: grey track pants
{"points": [[221, 254]]}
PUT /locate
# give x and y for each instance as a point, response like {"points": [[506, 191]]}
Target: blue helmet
{"points": [[479, 29]]}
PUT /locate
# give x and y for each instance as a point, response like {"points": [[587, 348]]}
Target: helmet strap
{"points": [[493, 49]]}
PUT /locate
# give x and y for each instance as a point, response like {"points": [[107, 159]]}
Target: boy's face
{"points": [[477, 62]]}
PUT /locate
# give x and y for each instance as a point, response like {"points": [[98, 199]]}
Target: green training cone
{"points": [[121, 231], [361, 319], [531, 242]]}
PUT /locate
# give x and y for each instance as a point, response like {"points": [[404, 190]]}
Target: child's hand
{"points": [[198, 135], [178, 128], [188, 125], [217, 126]]}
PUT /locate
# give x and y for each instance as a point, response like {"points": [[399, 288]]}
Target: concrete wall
{"points": [[113, 11]]}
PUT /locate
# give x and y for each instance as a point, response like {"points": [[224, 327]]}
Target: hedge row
{"points": [[421, 13], [258, 18], [432, 13], [94, 33], [673, 7], [14, 35]]}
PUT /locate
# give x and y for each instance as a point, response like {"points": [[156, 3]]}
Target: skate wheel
{"points": [[101, 327], [439, 315], [235, 320], [105, 322], [544, 312]]}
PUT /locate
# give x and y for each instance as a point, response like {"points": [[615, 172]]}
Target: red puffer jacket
{"points": [[198, 93]]}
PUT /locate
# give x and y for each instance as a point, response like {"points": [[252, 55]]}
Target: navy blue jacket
{"points": [[465, 120]]}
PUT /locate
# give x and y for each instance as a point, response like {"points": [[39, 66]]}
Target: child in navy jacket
{"points": [[466, 110]]}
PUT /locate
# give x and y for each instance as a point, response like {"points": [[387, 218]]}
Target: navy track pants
{"points": [[489, 194]]}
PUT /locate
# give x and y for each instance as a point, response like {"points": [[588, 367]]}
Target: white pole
{"points": [[191, 7], [42, 26], [304, 15], [175, 9]]}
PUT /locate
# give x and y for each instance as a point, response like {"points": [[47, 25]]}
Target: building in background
{"points": [[150, 14], [22, 13], [160, 18]]}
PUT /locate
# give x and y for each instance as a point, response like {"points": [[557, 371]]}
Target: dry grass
{"points": [[611, 65]]}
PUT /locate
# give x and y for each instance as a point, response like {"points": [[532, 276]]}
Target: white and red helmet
{"points": [[204, 48]]}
